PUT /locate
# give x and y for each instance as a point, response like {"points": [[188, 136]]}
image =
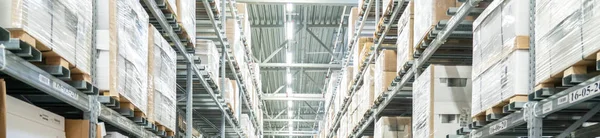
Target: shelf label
{"points": [[59, 87], [547, 107], [477, 135], [562, 100], [498, 127], [584, 92]]}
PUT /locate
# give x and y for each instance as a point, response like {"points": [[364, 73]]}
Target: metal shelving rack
{"points": [[544, 107]]}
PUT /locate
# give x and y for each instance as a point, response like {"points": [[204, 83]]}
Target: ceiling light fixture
{"points": [[290, 104], [289, 30], [289, 78], [289, 7], [288, 58], [290, 113]]}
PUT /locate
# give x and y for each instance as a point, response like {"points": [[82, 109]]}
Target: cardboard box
{"points": [[428, 13], [386, 61], [75, 128], [404, 44], [115, 135]]}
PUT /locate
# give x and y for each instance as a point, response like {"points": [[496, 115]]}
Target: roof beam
{"points": [[322, 44], [300, 65], [281, 46], [293, 97], [307, 2]]}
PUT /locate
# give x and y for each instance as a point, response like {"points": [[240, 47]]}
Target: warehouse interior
{"points": [[299, 68]]}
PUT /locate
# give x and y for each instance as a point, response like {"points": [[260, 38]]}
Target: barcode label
{"points": [[547, 107], [563, 100], [43, 79]]}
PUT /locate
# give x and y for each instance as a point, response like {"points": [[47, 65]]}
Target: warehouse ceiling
{"points": [[312, 48]]}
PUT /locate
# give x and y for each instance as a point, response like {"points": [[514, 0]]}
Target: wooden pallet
{"points": [[579, 72], [50, 57], [167, 9], [497, 110], [168, 132]]}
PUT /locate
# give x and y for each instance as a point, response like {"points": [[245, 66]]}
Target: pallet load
{"points": [[229, 94], [405, 39], [359, 53], [242, 9], [500, 57], [247, 127], [565, 42], [186, 19], [60, 29], [122, 62], [427, 14], [352, 23], [162, 95], [366, 97], [393, 127], [384, 71], [442, 100], [208, 54]]}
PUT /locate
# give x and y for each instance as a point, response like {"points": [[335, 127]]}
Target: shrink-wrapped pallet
{"points": [[364, 45], [386, 61], [208, 54], [502, 81], [428, 13], [186, 17], [501, 29], [122, 44], [384, 71], [366, 97], [162, 62], [442, 94], [405, 38], [558, 37], [58, 28], [352, 22], [393, 127]]}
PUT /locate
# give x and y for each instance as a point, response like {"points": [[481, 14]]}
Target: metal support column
{"points": [[377, 13], [92, 114], [534, 123], [189, 102], [223, 126]]}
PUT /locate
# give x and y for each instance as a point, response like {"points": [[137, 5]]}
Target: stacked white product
{"points": [[393, 127], [208, 54], [242, 9], [427, 14], [162, 63], [331, 86], [62, 28], [500, 55], [186, 18], [122, 45], [565, 33], [441, 95], [246, 125], [352, 22], [366, 96], [405, 38], [24, 120], [114, 135]]}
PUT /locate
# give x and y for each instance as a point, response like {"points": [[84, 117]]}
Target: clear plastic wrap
{"points": [[209, 56], [476, 106], [186, 16], [162, 93], [63, 26], [386, 61], [558, 37], [405, 37], [393, 127], [441, 95], [122, 45], [590, 29]]}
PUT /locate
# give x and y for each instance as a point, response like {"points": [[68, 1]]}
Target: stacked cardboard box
{"points": [[442, 100], [362, 48], [352, 23], [242, 9], [393, 127], [186, 18], [61, 29], [122, 45], [384, 71], [405, 38], [162, 95], [367, 93], [427, 14]]}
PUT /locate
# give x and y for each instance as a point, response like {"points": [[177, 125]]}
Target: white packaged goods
{"points": [[442, 97], [386, 61], [357, 59], [162, 63], [405, 38], [122, 64], [501, 29], [352, 22], [428, 13], [502, 81], [393, 127], [186, 17], [62, 28], [209, 57], [558, 36], [366, 95], [115, 135], [24, 120], [246, 125]]}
